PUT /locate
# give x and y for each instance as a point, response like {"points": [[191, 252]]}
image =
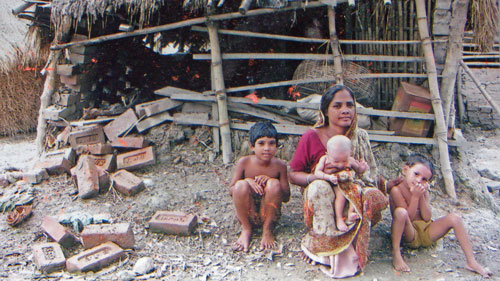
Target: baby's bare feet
{"points": [[243, 241], [267, 241], [399, 264], [476, 267], [341, 226]]}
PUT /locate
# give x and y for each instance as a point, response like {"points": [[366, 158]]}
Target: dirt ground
{"points": [[188, 179]]}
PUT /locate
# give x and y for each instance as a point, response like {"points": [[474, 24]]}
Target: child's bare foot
{"points": [[243, 241], [352, 217], [399, 264], [306, 258], [341, 226], [476, 267], [267, 241]]}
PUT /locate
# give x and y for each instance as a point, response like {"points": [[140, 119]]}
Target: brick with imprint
{"points": [[118, 233], [120, 125], [173, 222], [107, 162], [95, 149], [87, 177], [95, 258], [127, 183], [135, 159], [130, 142], [90, 135], [58, 232], [48, 257]]}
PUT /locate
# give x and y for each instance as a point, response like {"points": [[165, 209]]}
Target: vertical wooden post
{"points": [[440, 132], [461, 109], [334, 43], [220, 92], [48, 90], [215, 117], [453, 54]]}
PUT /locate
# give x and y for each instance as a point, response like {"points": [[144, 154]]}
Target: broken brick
{"points": [[67, 153], [95, 149], [56, 112], [87, 178], [129, 142], [35, 176], [127, 183], [135, 159], [90, 135], [96, 258], [119, 233], [157, 106], [171, 222], [48, 257], [120, 125], [57, 232], [54, 166]]}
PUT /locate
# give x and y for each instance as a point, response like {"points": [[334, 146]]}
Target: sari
{"points": [[322, 241]]}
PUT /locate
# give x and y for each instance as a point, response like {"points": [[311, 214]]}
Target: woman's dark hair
{"points": [[262, 129], [416, 158], [327, 98]]}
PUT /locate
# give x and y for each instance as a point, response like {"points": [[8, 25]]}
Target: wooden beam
{"points": [[297, 56], [186, 23], [335, 46], [440, 132]]}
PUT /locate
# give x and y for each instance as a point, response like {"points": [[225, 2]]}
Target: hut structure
{"points": [[254, 58]]}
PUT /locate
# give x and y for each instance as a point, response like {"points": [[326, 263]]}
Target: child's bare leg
{"points": [[339, 209], [243, 203], [271, 203], [401, 226], [352, 216], [441, 226]]}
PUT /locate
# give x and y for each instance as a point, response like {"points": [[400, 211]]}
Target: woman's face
{"points": [[341, 109]]}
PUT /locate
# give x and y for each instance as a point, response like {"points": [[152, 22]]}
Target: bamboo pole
{"points": [[304, 56], [45, 98], [220, 91], [440, 131], [461, 109], [185, 23], [215, 117], [453, 54], [334, 43], [481, 88]]}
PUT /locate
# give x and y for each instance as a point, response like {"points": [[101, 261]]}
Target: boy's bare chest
{"points": [[253, 170]]}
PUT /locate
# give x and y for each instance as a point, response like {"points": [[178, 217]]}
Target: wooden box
{"points": [[411, 98]]}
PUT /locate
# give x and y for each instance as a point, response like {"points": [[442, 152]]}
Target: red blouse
{"points": [[308, 152]]}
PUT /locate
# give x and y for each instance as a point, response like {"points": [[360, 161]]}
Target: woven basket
{"points": [[364, 89]]}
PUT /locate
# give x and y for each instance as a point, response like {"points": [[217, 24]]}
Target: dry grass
{"points": [[20, 88], [484, 23]]}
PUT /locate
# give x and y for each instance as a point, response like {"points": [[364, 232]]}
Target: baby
{"points": [[337, 166]]}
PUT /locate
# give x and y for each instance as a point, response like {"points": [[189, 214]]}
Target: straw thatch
{"points": [[484, 23]]}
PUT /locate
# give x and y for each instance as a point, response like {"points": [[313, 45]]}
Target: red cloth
{"points": [[308, 152]]}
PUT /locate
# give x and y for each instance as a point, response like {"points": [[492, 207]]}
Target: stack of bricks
{"points": [[478, 110]]}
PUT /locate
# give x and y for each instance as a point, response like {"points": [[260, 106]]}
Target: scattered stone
{"points": [[126, 275], [4, 181], [144, 265], [35, 176], [489, 173]]}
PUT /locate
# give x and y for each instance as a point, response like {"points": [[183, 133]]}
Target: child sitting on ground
{"points": [[259, 186], [338, 167], [411, 216]]}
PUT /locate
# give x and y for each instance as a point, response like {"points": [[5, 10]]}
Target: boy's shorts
{"points": [[422, 237], [257, 217]]}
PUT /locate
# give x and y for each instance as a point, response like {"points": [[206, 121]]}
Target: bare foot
{"points": [[399, 264], [267, 241], [243, 241], [306, 258], [476, 267], [341, 226], [352, 217]]}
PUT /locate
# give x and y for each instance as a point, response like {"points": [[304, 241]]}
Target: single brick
{"points": [[87, 177], [129, 142], [157, 106], [88, 135], [120, 125], [68, 69], [54, 166], [119, 233], [48, 257], [106, 162], [67, 153], [56, 112], [95, 149], [77, 58], [173, 222], [35, 176], [96, 258], [68, 99], [83, 50], [127, 183], [57, 232], [136, 159]]}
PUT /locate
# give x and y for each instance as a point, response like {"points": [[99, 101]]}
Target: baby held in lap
{"points": [[338, 167]]}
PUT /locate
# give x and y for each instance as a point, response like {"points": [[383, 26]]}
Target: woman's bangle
{"points": [[307, 179]]}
